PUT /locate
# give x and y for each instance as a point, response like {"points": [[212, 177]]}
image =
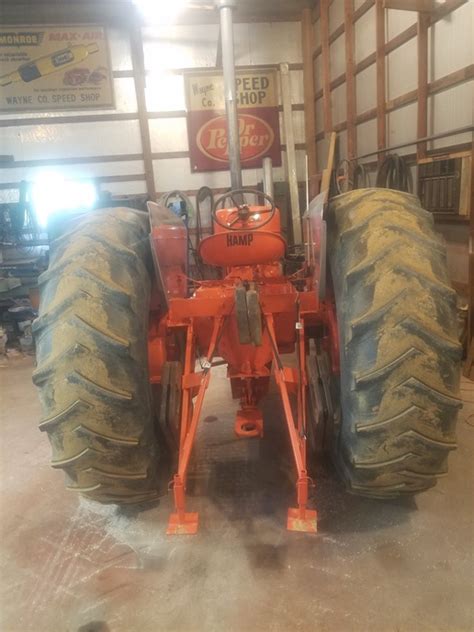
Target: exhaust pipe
{"points": [[230, 91]]}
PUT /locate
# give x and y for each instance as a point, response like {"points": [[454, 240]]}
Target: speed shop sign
{"points": [[259, 125]]}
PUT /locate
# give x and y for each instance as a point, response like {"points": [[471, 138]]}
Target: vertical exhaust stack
{"points": [[228, 64]]}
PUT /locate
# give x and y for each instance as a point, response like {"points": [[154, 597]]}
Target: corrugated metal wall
{"points": [[112, 149], [451, 48]]}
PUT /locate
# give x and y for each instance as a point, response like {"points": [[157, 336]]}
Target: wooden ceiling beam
{"points": [[118, 13], [423, 6]]}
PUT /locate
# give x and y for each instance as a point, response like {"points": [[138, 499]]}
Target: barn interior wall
{"points": [[168, 51], [450, 48]]}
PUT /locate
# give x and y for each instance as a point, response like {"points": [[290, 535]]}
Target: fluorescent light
{"points": [[51, 193], [160, 11]]}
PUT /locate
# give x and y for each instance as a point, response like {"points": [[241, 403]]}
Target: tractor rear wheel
{"points": [[400, 355], [92, 375]]}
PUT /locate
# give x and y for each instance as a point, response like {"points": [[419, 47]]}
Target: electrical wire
{"points": [[394, 173], [360, 177], [202, 194], [165, 198], [343, 166]]}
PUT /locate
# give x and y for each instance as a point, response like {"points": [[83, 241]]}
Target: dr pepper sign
{"points": [[259, 124]]}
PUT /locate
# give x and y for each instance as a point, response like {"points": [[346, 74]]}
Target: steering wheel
{"points": [[242, 217]]}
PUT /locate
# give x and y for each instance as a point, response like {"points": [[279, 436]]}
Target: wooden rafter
{"points": [[422, 117], [138, 63], [358, 13], [426, 6], [350, 79], [380, 72], [308, 79], [455, 78], [469, 364], [324, 25]]}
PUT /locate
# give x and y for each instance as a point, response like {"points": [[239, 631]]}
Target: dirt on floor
{"points": [[70, 565]]}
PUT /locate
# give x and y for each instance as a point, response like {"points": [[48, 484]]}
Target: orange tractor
{"points": [[248, 317], [364, 350], [376, 371]]}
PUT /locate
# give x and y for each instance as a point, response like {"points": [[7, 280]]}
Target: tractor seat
{"points": [[242, 248]]}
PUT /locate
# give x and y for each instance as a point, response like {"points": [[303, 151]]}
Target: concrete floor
{"points": [[68, 565]]}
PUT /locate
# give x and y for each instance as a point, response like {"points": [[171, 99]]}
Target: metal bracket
{"points": [[300, 518], [181, 522]]}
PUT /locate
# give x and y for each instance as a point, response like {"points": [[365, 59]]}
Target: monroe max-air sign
{"points": [[259, 126], [44, 68]]}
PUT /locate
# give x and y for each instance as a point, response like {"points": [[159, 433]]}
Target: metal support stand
{"points": [[299, 518], [181, 522]]}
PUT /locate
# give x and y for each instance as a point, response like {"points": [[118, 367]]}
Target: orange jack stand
{"points": [[180, 522], [300, 518]]}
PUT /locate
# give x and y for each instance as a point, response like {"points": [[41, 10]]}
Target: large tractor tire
{"points": [[400, 355], [91, 338]]}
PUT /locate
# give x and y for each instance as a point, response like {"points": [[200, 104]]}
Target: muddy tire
{"points": [[91, 339], [400, 354]]}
